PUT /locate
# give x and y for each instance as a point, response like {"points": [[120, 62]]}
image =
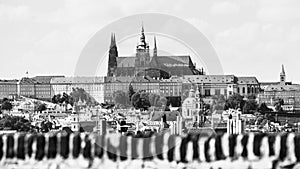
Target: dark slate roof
{"points": [[124, 79], [274, 83], [88, 125], [168, 61], [45, 79], [171, 61], [171, 116], [14, 81], [77, 79], [247, 80], [283, 88], [26, 80], [174, 65]]}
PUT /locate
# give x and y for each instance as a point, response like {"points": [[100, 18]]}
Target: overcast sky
{"points": [[251, 37]]}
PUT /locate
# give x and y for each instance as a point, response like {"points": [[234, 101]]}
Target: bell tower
{"points": [[282, 76]]}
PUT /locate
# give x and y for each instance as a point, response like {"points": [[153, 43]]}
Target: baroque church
{"points": [[146, 64]]}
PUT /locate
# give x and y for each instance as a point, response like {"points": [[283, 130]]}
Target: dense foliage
{"points": [[16, 123], [75, 97]]}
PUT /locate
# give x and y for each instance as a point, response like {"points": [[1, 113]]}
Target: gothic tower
{"points": [[113, 54], [154, 60], [282, 76], [142, 58]]}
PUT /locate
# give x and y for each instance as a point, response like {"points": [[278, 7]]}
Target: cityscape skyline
{"points": [[264, 31], [149, 84]]}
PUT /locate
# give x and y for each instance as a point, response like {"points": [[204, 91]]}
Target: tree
{"points": [[41, 107], [6, 105], [140, 100], [4, 99], [264, 108], [130, 92], [278, 105], [16, 123], [121, 98], [250, 106], [46, 126], [234, 101], [79, 94], [56, 98]]}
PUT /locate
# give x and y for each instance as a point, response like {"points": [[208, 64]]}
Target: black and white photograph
{"points": [[151, 84]]}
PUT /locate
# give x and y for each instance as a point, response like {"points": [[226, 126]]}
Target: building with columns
{"points": [[210, 85], [247, 86], [94, 86], [8, 88]]}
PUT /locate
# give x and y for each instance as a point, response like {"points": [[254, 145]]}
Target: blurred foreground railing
{"points": [[158, 151]]}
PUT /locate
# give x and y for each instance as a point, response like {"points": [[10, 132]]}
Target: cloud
{"points": [[14, 13], [202, 25], [221, 8], [279, 10]]}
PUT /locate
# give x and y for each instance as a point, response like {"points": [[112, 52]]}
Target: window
{"points": [[207, 92], [217, 91], [243, 89], [238, 90]]}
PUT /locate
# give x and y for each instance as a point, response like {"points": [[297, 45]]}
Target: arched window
{"points": [[238, 90], [252, 89], [243, 89]]}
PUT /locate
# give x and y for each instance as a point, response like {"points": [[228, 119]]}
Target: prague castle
{"points": [[169, 76], [146, 64]]}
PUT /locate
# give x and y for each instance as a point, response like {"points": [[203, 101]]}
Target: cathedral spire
{"points": [[154, 42], [155, 48], [113, 54], [142, 44], [142, 38], [282, 69], [112, 40]]}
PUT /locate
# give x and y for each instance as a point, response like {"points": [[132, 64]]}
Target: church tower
{"points": [[282, 76], [154, 61], [113, 54], [142, 58]]}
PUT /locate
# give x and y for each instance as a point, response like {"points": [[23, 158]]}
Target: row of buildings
{"points": [[103, 88], [288, 92]]}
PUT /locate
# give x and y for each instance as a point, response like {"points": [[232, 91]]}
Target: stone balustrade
{"points": [[81, 150]]}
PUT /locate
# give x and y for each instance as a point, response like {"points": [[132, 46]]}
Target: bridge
{"points": [[81, 150]]}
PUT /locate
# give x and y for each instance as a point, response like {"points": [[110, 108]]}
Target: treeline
{"points": [[76, 96], [247, 104], [139, 100]]}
